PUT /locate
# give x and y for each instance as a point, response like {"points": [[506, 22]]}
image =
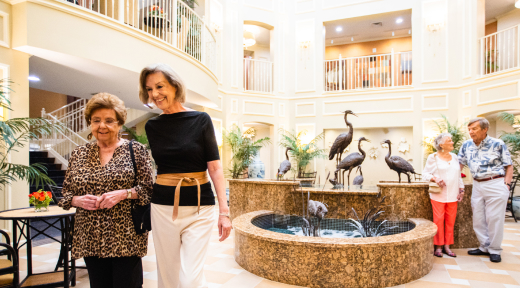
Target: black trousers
{"points": [[116, 272]]}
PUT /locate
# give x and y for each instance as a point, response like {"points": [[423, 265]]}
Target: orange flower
{"points": [[49, 194], [42, 198]]}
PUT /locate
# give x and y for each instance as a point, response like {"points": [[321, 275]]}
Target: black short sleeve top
{"points": [[182, 142]]}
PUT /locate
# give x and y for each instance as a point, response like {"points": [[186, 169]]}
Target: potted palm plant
{"points": [[301, 153], [244, 149], [16, 133]]}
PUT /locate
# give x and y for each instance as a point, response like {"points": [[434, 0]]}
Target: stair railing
{"points": [[60, 144]]}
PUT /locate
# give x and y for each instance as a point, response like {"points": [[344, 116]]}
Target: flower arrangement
{"points": [[156, 11], [40, 200]]}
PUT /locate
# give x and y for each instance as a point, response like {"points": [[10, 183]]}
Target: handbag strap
{"points": [[130, 145]]}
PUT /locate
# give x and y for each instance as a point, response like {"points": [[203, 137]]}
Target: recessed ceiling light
{"points": [[352, 39], [331, 41], [339, 29], [33, 78], [393, 33], [399, 20], [517, 4]]}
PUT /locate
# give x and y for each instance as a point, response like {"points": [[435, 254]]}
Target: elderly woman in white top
{"points": [[442, 168]]}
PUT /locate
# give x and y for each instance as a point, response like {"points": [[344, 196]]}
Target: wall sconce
{"points": [[435, 27], [216, 27], [435, 21], [305, 44]]}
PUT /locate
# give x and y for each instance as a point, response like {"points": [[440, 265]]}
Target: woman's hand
{"points": [[460, 196], [110, 199], [87, 202], [439, 182], [224, 227]]}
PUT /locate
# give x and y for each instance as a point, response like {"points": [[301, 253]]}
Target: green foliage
{"points": [[458, 135], [15, 133], [302, 154], [244, 149], [512, 139], [143, 139]]}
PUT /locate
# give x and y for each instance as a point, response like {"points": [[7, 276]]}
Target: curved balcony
{"points": [[102, 45]]}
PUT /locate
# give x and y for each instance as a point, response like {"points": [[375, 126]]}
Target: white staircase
{"points": [[61, 144]]}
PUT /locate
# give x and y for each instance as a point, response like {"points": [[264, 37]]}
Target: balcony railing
{"points": [[500, 51], [367, 72], [169, 20], [258, 76]]}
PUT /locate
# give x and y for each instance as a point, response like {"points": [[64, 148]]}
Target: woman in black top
{"points": [[183, 146]]}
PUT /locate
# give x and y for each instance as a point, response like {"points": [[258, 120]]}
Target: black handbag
{"points": [[140, 213]]}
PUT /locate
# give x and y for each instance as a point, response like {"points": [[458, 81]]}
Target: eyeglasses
{"points": [[109, 122]]}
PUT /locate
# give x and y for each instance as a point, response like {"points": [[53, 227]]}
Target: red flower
{"points": [[49, 194], [462, 175], [42, 198]]}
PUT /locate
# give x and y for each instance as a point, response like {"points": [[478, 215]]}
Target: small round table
{"points": [[22, 228]]}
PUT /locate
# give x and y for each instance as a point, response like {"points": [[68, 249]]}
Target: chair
{"points": [[510, 206], [9, 274], [56, 193]]}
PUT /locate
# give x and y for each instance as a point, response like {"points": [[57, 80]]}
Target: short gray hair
{"points": [[173, 78], [484, 123], [440, 139]]}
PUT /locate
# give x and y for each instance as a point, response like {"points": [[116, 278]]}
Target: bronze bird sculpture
{"points": [[398, 164], [284, 166], [318, 210], [352, 161], [342, 141], [359, 179]]}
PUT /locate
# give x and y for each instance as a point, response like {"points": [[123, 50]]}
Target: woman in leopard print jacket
{"points": [[100, 183]]}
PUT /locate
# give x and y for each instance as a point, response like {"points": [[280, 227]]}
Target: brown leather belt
{"points": [[182, 179], [487, 179]]}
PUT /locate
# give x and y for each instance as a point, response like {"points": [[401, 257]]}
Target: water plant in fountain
{"points": [[369, 226]]}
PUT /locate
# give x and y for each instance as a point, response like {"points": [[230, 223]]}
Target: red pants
{"points": [[444, 215]]}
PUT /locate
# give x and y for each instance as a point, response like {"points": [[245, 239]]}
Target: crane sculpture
{"points": [[352, 161], [359, 179], [284, 166], [342, 141], [398, 164]]}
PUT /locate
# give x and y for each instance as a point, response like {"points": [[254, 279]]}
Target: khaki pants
{"points": [[489, 201], [181, 246]]}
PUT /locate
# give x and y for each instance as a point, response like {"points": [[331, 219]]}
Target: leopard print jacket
{"points": [[107, 232]]}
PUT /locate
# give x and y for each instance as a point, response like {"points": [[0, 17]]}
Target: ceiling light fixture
{"points": [[517, 4], [331, 41], [249, 39], [399, 20], [339, 29], [409, 31], [352, 39], [33, 78], [393, 33]]}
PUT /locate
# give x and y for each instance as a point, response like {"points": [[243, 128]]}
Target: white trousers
{"points": [[181, 246], [488, 202]]}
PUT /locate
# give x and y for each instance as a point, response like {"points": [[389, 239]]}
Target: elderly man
{"points": [[491, 166]]}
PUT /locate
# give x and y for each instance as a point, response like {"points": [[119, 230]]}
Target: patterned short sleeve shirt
{"points": [[487, 159]]}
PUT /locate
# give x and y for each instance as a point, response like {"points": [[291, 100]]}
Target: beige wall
{"points": [[365, 48], [39, 99], [509, 20]]}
